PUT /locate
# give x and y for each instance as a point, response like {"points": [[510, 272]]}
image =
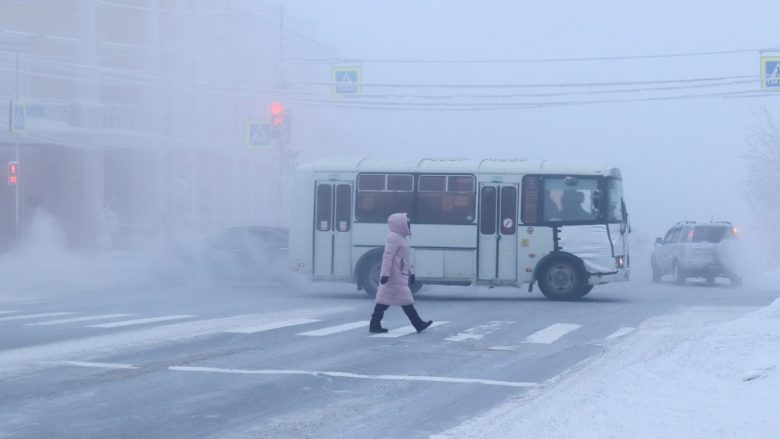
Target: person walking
{"points": [[396, 277]]}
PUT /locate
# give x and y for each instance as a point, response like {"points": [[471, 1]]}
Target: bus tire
{"points": [[586, 290], [562, 279], [369, 275]]}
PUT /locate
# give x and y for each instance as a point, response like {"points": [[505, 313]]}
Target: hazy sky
{"points": [[681, 159]]}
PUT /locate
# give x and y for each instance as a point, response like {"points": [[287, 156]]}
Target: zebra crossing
{"points": [[311, 327]]}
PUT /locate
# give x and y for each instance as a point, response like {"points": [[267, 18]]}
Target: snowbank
{"points": [[699, 374]]}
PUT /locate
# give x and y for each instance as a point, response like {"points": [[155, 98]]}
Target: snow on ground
{"points": [[703, 373]]}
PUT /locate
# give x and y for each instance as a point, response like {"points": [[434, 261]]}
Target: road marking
{"points": [[551, 333], [477, 332], [78, 319], [620, 332], [8, 312], [41, 355], [270, 326], [97, 365], [435, 379], [405, 330], [140, 321], [336, 329], [35, 316]]}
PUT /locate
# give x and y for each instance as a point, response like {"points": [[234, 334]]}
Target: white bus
{"points": [[489, 222]]}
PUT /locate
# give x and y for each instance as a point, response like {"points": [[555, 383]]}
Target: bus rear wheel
{"points": [[562, 279], [369, 276]]}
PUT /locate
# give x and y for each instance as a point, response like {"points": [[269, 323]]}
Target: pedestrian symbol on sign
{"points": [[346, 81], [258, 135], [770, 73], [17, 120]]}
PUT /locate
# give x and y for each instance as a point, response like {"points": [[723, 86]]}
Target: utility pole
{"points": [[280, 148], [17, 156]]}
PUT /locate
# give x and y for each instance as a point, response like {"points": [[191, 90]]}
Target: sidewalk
{"points": [[704, 373]]}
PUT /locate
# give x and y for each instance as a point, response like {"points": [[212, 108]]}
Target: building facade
{"points": [[137, 115]]}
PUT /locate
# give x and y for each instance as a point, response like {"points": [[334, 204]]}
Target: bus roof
{"points": [[427, 165]]}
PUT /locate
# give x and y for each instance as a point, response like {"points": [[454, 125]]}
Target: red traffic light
{"points": [[277, 113], [13, 173], [277, 108]]}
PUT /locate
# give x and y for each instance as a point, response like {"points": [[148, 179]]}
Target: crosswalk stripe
{"points": [[35, 316], [551, 333], [270, 326], [404, 330], [140, 321], [8, 312], [336, 329], [97, 365], [77, 319], [620, 332]]}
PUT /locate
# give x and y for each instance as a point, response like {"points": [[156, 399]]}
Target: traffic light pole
{"points": [[18, 186]]}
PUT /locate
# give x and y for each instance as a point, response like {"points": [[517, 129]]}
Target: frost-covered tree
{"points": [[763, 183]]}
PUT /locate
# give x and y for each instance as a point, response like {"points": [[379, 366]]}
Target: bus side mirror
{"points": [[659, 241]]}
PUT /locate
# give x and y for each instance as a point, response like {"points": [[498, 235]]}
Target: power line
{"points": [[174, 75], [550, 60], [358, 60]]}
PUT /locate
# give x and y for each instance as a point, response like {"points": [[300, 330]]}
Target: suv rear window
{"points": [[709, 233]]}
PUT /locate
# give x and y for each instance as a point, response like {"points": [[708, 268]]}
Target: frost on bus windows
{"points": [[380, 195], [446, 199]]}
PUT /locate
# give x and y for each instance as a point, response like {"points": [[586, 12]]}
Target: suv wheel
{"points": [[678, 275], [736, 281], [656, 273]]}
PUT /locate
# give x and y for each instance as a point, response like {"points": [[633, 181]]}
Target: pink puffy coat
{"points": [[396, 264]]}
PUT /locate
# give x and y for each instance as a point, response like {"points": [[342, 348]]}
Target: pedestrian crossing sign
{"points": [[770, 73], [258, 135], [346, 81], [17, 120]]}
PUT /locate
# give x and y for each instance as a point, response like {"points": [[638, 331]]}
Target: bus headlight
{"points": [[620, 261]]}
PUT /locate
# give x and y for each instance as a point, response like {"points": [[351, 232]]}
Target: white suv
{"points": [[704, 250]]}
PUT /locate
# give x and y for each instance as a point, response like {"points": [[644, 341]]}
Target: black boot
{"points": [[376, 319], [417, 322]]}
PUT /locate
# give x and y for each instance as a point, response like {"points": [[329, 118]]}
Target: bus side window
{"points": [[343, 208], [530, 202], [487, 210], [324, 207], [508, 210]]}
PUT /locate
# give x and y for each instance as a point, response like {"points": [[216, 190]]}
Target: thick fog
{"points": [[156, 95]]}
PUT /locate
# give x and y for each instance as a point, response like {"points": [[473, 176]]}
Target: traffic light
{"points": [[13, 173], [280, 123], [277, 114]]}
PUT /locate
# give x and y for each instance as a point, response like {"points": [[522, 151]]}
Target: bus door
{"points": [[497, 258], [332, 229]]}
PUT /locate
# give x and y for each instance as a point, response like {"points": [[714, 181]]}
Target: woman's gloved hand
{"points": [[411, 280], [383, 280]]}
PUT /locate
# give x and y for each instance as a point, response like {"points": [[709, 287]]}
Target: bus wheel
{"points": [[369, 276], [562, 279], [586, 290]]}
